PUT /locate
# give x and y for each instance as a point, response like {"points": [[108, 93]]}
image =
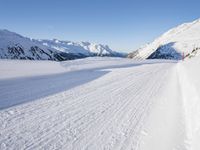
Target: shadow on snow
{"points": [[23, 90]]}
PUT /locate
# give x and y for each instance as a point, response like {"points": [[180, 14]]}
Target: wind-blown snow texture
{"points": [[179, 41], [100, 103]]}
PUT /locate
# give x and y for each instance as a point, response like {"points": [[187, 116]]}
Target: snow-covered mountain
{"points": [[180, 41], [15, 46], [80, 48]]}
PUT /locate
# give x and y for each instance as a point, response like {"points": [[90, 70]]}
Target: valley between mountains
{"points": [[65, 95]]}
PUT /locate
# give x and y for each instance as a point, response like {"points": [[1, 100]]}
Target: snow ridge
{"points": [[185, 39], [190, 98], [15, 46], [80, 48]]}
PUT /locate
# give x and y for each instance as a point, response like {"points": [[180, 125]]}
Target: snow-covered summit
{"points": [[64, 46], [98, 49], [84, 48], [171, 45], [11, 38], [15, 46]]}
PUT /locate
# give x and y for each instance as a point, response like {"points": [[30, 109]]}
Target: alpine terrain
{"points": [[15, 46], [151, 102], [81, 48], [179, 42]]}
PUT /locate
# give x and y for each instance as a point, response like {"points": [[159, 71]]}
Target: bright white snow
{"points": [[182, 39], [100, 103], [84, 48]]}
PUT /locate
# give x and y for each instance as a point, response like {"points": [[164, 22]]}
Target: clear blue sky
{"points": [[122, 24]]}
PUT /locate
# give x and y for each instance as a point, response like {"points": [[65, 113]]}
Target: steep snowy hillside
{"points": [[15, 46], [80, 48], [173, 44]]}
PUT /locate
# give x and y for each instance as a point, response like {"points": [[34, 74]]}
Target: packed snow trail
{"points": [[165, 128], [189, 81], [129, 105], [25, 81]]}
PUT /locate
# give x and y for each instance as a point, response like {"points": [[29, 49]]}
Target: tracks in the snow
{"points": [[107, 113]]}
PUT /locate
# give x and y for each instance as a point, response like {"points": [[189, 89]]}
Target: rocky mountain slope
{"points": [[80, 48], [15, 46], [180, 41]]}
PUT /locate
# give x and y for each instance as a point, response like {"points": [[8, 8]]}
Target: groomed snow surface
{"points": [[100, 104]]}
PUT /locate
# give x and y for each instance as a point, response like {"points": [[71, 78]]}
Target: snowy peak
{"points": [[15, 46], [173, 44], [11, 38], [65, 46], [83, 48]]}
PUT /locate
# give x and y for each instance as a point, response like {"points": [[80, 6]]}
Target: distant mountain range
{"points": [[15, 46], [179, 42]]}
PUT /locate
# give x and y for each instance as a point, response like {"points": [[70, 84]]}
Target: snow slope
{"points": [[178, 112], [15, 46], [100, 103], [189, 78], [172, 44]]}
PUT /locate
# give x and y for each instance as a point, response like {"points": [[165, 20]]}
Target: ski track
{"points": [[106, 113]]}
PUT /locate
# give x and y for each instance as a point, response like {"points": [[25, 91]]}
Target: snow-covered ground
{"points": [[100, 103]]}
